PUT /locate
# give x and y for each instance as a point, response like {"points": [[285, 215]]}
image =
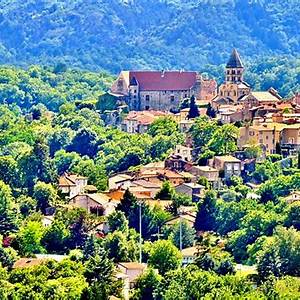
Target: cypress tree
{"points": [[194, 112]]}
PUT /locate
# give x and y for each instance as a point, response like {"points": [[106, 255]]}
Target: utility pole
{"points": [[180, 233], [140, 227]]}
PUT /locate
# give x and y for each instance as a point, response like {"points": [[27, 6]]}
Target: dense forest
{"points": [[134, 34]]}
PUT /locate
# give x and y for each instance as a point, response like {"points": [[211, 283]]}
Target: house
{"points": [[47, 220], [158, 166], [187, 217], [185, 152], [150, 187], [228, 165], [99, 204], [210, 173], [269, 135], [25, 262], [262, 98], [189, 255], [193, 190], [176, 162], [293, 197], [158, 176], [71, 185], [232, 113], [139, 121], [119, 181], [133, 270], [159, 90]]}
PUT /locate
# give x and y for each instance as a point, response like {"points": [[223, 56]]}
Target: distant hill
{"points": [[143, 34]]}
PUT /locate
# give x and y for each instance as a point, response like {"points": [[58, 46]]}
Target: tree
{"points": [[117, 222], [293, 216], [55, 237], [45, 195], [194, 111], [127, 202], [163, 126], [85, 143], [164, 256], [146, 285], [210, 111], [188, 235], [202, 131], [205, 219], [166, 192], [91, 248], [117, 246], [7, 217], [29, 238], [224, 140], [8, 170]]}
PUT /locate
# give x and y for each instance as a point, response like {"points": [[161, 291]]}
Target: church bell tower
{"points": [[234, 68]]}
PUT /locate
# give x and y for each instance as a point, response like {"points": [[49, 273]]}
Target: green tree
{"points": [[188, 235], [166, 192], [55, 237], [117, 222], [7, 216], [194, 111], [293, 215], [224, 139], [164, 256], [146, 285], [29, 238], [202, 131], [45, 195], [163, 126], [205, 219]]}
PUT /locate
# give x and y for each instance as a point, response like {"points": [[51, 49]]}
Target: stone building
{"points": [[234, 86], [161, 90]]}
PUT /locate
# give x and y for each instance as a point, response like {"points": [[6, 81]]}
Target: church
{"points": [[161, 90], [234, 87]]}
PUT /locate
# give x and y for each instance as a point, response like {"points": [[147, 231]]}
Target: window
{"points": [[267, 137], [147, 98], [185, 96], [251, 133], [261, 141], [134, 91], [147, 107], [172, 98], [134, 96]]}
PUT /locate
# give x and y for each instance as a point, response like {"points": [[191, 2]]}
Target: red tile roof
{"points": [[164, 80]]}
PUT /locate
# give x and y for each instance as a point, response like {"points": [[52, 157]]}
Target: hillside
{"points": [[119, 34]]}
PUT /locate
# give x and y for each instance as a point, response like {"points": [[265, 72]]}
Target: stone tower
{"points": [[134, 94], [234, 68]]}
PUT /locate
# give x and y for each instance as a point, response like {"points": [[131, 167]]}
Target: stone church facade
{"points": [[161, 90]]}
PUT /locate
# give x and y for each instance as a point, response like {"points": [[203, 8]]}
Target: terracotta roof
{"points": [[206, 168], [132, 265], [146, 184], [144, 117], [191, 251], [69, 179], [164, 80], [227, 158], [27, 262], [265, 96], [99, 198]]}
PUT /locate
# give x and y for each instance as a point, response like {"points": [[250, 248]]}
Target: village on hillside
{"points": [[227, 134]]}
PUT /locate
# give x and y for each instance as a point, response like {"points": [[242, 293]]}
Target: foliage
{"points": [[281, 254], [164, 256]]}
